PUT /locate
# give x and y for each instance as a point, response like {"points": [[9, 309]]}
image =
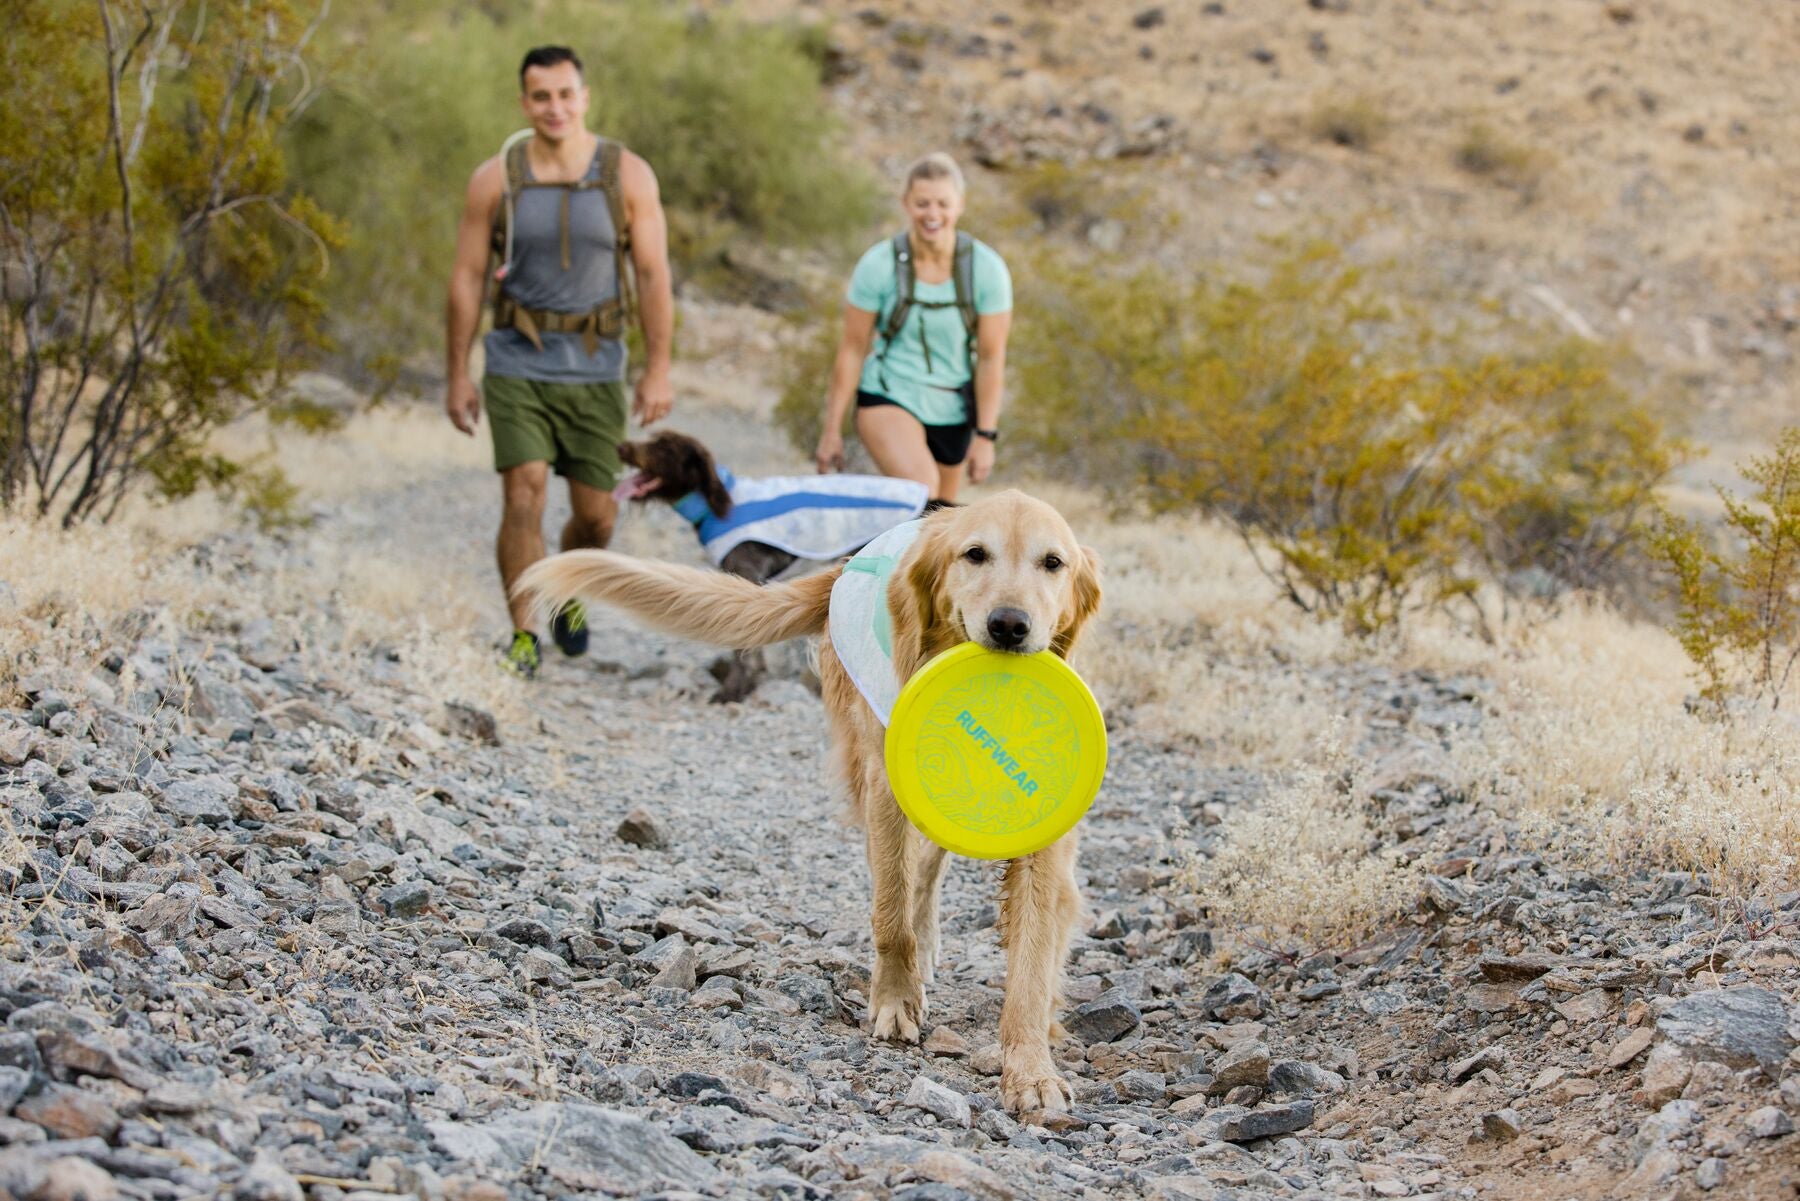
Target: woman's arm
{"points": [[846, 369], [991, 330]]}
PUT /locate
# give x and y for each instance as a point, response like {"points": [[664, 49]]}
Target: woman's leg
{"points": [[896, 441], [949, 479]]}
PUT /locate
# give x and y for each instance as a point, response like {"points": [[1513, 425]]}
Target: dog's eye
{"points": [[976, 554], [1053, 562]]}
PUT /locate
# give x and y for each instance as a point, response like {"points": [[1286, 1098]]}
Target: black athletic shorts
{"points": [[949, 444]]}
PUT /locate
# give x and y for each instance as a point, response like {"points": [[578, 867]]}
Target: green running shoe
{"points": [[522, 657], [570, 629]]}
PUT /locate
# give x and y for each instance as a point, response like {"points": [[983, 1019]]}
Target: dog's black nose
{"points": [[1008, 627]]}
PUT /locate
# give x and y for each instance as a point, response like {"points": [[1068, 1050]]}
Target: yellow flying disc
{"points": [[995, 755]]}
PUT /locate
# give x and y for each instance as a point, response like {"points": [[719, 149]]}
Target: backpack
{"points": [[608, 319], [962, 276]]}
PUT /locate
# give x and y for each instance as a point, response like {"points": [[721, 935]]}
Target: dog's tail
{"points": [[708, 606]]}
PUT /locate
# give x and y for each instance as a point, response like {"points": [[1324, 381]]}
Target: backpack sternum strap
{"points": [[962, 276]]}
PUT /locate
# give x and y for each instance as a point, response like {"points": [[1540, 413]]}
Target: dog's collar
{"points": [[693, 506]]}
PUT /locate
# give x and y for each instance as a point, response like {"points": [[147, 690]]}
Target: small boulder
{"points": [[1769, 1122], [946, 1104], [641, 829], [1107, 1018], [1232, 996]]}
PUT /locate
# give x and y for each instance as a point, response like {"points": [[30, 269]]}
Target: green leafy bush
{"points": [[727, 112], [1370, 463], [1738, 604], [163, 271]]}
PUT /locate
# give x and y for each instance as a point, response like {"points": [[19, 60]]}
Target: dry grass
{"points": [[332, 600], [1356, 123], [1485, 152], [1592, 741], [1588, 743], [1304, 869]]}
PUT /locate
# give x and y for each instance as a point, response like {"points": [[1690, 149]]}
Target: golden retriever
{"points": [[1006, 572]]}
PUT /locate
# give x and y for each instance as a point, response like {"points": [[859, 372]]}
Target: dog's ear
{"points": [[697, 465], [1082, 605], [917, 600]]}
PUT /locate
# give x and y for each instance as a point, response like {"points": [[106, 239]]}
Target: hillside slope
{"points": [[1624, 170]]}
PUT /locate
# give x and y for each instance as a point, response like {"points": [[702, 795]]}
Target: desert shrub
{"points": [[804, 373], [1738, 603], [1369, 462], [1303, 869], [1484, 151], [1357, 122], [726, 111], [162, 271]]}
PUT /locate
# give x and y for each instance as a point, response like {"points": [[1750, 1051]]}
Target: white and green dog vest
{"points": [[862, 629]]}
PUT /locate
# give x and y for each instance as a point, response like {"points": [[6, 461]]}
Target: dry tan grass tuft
{"points": [[68, 587], [1589, 743], [1304, 869]]}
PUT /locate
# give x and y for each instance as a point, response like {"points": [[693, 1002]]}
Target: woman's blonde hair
{"points": [[936, 165]]}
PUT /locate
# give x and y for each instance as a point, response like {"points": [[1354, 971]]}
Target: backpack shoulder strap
{"points": [[903, 286], [962, 273], [611, 155]]}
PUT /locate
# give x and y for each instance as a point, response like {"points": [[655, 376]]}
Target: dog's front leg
{"points": [[1039, 905], [898, 1005], [928, 879]]}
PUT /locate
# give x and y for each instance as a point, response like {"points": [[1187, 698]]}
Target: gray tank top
{"points": [[537, 281]]}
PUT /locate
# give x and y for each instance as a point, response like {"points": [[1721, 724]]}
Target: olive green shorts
{"points": [[576, 428]]}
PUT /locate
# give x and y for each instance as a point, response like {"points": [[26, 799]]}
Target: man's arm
{"points": [[656, 294], [467, 278]]}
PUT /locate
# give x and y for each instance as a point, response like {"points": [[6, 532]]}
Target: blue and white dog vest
{"points": [[812, 516], [862, 628]]}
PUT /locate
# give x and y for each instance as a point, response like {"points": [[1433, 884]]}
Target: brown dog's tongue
{"points": [[635, 486]]}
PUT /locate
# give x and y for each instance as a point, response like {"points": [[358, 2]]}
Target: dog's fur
{"points": [[680, 464], [1007, 552]]}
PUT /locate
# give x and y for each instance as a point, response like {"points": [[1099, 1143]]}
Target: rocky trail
{"points": [[272, 930]]}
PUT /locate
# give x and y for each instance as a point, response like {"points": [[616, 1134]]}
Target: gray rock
{"points": [[267, 1180], [1105, 1019], [1246, 1063], [1740, 1027], [468, 721], [1232, 996], [1235, 1124], [641, 829], [1494, 1057], [1296, 1078], [19, 1049], [13, 1083], [525, 931], [1710, 1174], [1138, 1085], [1501, 1126], [204, 799], [946, 1104], [406, 900], [1769, 1122], [629, 1153]]}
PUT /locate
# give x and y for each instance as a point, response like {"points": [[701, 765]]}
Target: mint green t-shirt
{"points": [[924, 377]]}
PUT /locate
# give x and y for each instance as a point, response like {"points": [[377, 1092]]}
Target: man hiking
{"points": [[566, 217]]}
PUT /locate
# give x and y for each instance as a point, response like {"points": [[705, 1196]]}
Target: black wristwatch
{"points": [[990, 435]]}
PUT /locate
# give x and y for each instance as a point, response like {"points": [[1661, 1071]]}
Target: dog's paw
{"points": [[897, 1018], [1035, 1087]]}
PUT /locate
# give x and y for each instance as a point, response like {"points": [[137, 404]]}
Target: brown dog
{"points": [[1006, 572]]}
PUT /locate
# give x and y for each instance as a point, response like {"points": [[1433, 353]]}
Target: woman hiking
{"points": [[923, 349]]}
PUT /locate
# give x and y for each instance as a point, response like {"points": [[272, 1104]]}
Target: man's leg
{"points": [[592, 513], [521, 540]]}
